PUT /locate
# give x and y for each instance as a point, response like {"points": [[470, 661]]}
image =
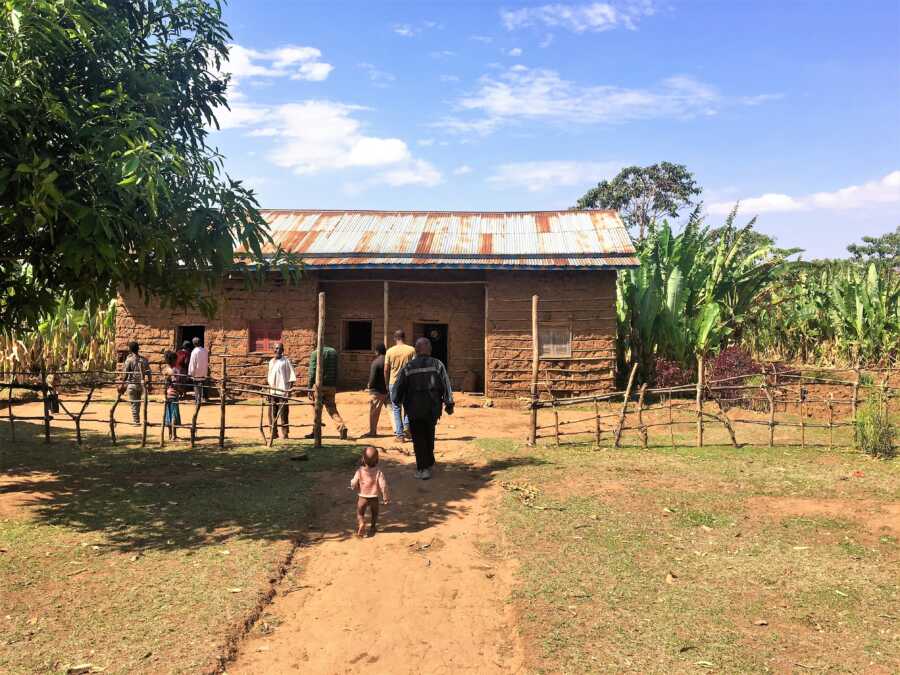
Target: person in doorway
{"points": [[368, 482], [329, 387], [172, 416], [377, 389], [423, 387], [135, 377], [281, 381], [182, 360], [395, 359], [198, 370]]}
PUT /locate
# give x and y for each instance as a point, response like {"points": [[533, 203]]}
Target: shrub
{"points": [[668, 373], [874, 431], [732, 362]]}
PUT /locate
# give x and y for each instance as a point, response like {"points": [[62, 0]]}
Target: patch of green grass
{"points": [[657, 562], [143, 560]]}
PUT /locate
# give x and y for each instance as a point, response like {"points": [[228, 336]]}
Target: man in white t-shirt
{"points": [[198, 370], [281, 381]]}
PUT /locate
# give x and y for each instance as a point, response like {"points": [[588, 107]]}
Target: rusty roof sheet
{"points": [[430, 239]]}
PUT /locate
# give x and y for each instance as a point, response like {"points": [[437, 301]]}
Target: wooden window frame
{"points": [[345, 335], [567, 327], [270, 329]]}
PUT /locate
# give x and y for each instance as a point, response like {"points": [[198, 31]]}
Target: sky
{"points": [[791, 107]]}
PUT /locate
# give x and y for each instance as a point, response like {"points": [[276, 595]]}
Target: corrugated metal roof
{"points": [[431, 239]]}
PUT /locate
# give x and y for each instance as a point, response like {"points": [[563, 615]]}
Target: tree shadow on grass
{"points": [[175, 498]]}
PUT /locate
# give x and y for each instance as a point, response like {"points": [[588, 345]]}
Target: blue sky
{"points": [[791, 107]]}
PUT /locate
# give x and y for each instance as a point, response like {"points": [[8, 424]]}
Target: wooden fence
{"points": [[77, 405]]}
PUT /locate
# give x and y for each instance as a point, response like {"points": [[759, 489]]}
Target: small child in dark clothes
{"points": [[368, 482]]}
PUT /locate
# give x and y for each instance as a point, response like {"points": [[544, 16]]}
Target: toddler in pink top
{"points": [[368, 482]]}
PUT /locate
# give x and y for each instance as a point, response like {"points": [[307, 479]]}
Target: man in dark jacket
{"points": [[329, 386], [423, 387], [377, 390]]}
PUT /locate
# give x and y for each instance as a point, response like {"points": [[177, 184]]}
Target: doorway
{"points": [[189, 333], [437, 335]]}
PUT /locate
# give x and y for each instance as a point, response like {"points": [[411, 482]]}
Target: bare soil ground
{"points": [[511, 559]]}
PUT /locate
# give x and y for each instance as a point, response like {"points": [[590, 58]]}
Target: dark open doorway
{"points": [[437, 334], [189, 333]]}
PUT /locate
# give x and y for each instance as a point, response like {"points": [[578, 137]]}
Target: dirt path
{"points": [[417, 597]]}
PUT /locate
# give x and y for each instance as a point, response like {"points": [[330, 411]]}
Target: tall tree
{"points": [[107, 177], [883, 249], [644, 194]]}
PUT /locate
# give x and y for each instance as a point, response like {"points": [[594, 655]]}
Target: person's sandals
{"points": [[426, 474], [418, 474]]}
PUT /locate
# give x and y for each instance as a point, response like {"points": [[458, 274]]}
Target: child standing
{"points": [[172, 417], [368, 482]]}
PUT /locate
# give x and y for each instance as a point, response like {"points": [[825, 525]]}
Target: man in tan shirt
{"points": [[397, 357]]}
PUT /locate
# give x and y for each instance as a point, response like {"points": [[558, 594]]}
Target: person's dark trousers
{"points": [[422, 432], [279, 408]]}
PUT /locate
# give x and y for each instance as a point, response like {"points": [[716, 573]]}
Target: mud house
{"points": [[463, 279]]}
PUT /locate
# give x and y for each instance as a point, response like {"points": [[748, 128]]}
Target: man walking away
{"points": [[198, 370], [136, 377], [422, 386], [182, 360], [281, 380], [377, 389], [397, 357], [329, 387]]}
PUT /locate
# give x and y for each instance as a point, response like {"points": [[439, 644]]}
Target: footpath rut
{"points": [[417, 597]]}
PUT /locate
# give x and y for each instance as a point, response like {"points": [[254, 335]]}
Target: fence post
{"points": [[262, 409], [197, 401], [831, 421], [112, 414], [671, 422], [803, 417], [320, 344], [535, 356], [146, 405], [644, 436], [770, 397], [9, 410], [597, 419], [700, 379], [222, 390], [44, 398], [81, 412], [556, 422], [624, 411]]}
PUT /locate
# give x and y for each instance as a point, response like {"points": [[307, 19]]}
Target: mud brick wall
{"points": [[155, 329], [460, 306], [585, 301]]}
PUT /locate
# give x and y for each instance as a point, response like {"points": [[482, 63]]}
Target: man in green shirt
{"points": [[329, 386]]}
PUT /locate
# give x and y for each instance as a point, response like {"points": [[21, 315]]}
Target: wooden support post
{"points": [[112, 414], [645, 440], [831, 421], [770, 398], [320, 345], [723, 417], [535, 359], [387, 330], [197, 403], [671, 423], [262, 412], [222, 389], [597, 419], [81, 412], [854, 403], [700, 382], [802, 406], [624, 411], [9, 411], [484, 384], [162, 422], [44, 399], [556, 423]]}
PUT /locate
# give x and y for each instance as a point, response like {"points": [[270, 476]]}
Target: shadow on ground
{"points": [[183, 498]]}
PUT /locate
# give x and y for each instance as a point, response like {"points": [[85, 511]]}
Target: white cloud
{"points": [[320, 136], [377, 76], [449, 78], [410, 30], [425, 142], [296, 62], [404, 29], [484, 39], [515, 51], [547, 41], [442, 54], [241, 115], [593, 17], [542, 175], [522, 93], [462, 170], [885, 190]]}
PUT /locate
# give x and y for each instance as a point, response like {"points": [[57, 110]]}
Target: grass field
{"points": [[717, 559], [142, 560]]}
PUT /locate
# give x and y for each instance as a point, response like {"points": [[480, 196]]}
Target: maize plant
{"points": [[72, 339]]}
